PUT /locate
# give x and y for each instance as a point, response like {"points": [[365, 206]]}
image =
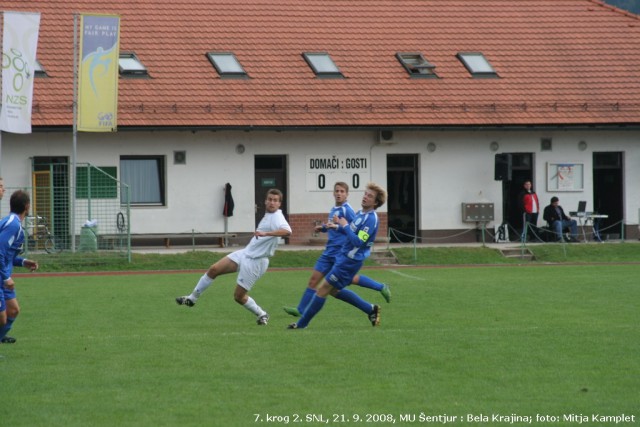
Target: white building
{"points": [[422, 98]]}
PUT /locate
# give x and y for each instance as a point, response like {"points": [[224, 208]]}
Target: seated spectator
{"points": [[558, 221]]}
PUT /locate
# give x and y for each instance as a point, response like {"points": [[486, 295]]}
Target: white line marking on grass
{"points": [[408, 276]]}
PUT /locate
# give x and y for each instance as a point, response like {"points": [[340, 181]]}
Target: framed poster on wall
{"points": [[565, 176]]}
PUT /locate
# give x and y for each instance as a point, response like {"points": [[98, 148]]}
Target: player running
{"points": [[335, 242], [360, 235], [250, 262]]}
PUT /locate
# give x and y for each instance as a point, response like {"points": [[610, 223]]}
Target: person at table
{"points": [[558, 221]]}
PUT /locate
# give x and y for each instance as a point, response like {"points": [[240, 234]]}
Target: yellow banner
{"points": [[98, 73]]}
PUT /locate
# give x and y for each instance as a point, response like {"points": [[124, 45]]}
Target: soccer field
{"points": [[469, 346]]}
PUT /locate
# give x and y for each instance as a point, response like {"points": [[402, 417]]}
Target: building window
{"points": [[226, 64], [131, 66], [145, 176], [322, 64], [99, 183], [416, 65], [39, 70], [477, 64]]}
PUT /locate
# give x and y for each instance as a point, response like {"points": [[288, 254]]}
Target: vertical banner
{"points": [[19, 44], [98, 73]]}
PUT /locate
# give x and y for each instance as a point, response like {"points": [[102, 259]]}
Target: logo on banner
{"points": [[20, 39], [19, 68], [98, 75]]}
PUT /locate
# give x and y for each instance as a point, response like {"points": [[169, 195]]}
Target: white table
{"points": [[594, 219]]}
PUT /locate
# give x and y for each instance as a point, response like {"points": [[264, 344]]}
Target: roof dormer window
{"points": [[39, 70], [322, 64], [477, 64], [131, 66], [226, 64], [416, 65]]}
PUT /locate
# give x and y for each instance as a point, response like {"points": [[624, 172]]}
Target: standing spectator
{"points": [[530, 208]]}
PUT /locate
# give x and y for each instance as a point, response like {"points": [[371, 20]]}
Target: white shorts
{"points": [[249, 269]]}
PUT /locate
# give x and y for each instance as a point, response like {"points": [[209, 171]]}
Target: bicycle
{"points": [[38, 234]]}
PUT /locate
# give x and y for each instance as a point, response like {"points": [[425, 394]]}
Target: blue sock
{"points": [[7, 327], [366, 282], [354, 299], [306, 299], [312, 309]]}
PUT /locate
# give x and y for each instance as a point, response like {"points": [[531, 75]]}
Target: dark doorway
{"points": [[270, 172], [521, 170], [402, 187], [50, 198], [608, 192]]}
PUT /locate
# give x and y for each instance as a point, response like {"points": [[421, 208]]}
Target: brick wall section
{"points": [[302, 226]]}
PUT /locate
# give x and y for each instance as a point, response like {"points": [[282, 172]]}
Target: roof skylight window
{"points": [[39, 70], [322, 64], [226, 64], [130, 65], [416, 65], [477, 64]]}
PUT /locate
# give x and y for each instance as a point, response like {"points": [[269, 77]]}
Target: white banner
{"points": [[19, 44]]}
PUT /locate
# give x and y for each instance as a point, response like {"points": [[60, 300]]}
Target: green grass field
{"points": [[474, 343]]}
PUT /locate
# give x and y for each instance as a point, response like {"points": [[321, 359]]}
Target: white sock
{"points": [[204, 282], [254, 308]]}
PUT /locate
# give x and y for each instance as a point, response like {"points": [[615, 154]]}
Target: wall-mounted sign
{"points": [[323, 171], [268, 182], [565, 176]]}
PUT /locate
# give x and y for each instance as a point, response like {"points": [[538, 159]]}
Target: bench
{"points": [[113, 241]]}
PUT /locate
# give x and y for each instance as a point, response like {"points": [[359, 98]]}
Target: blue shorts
{"points": [[343, 272], [8, 293], [5, 295], [324, 264]]}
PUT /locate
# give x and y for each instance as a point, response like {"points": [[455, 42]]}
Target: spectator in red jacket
{"points": [[529, 206]]}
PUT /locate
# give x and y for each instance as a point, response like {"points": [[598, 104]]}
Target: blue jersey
{"points": [[11, 240], [336, 239], [360, 235]]}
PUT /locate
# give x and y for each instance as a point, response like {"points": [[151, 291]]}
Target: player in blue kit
{"points": [[360, 236], [335, 242], [11, 240]]}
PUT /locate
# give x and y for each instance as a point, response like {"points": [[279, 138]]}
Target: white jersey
{"points": [[260, 247]]}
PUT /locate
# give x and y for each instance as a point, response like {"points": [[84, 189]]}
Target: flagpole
{"points": [[72, 174]]}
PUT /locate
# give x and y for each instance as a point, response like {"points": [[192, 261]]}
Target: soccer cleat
{"points": [[374, 316], [263, 320], [292, 326], [185, 301], [8, 340], [386, 293], [292, 311]]}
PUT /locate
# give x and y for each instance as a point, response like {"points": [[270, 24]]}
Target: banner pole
{"points": [[72, 174]]}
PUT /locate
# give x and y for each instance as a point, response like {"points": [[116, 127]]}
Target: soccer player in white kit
{"points": [[251, 262]]}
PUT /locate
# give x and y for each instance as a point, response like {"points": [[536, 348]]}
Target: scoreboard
{"points": [[323, 171]]}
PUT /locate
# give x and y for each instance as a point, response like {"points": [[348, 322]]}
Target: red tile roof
{"points": [[559, 62]]}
